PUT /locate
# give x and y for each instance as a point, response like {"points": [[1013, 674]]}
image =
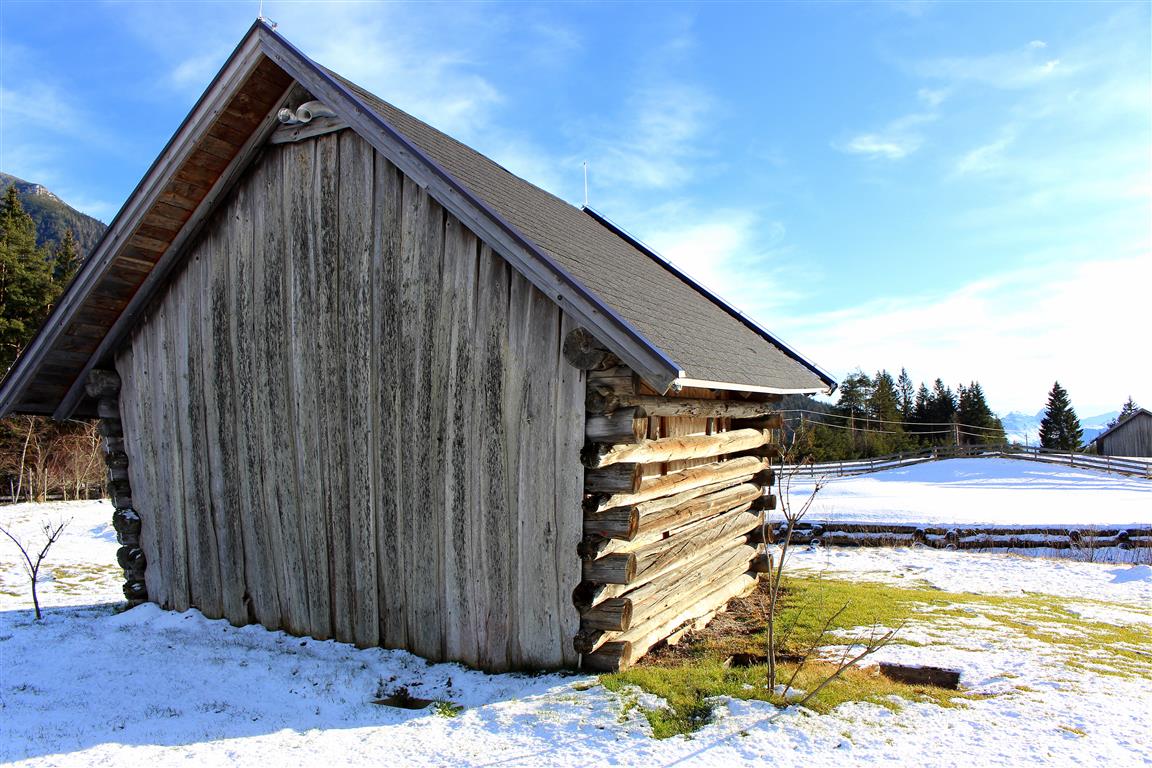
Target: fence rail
{"points": [[1133, 467]]}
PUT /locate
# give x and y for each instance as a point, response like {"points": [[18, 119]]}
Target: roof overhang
{"points": [[197, 168]]}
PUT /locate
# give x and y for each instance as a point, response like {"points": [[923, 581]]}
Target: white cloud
{"points": [[1016, 333], [895, 141], [1016, 69], [986, 158]]}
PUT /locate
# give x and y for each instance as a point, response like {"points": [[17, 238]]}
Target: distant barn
{"points": [[358, 381], [1131, 437]]}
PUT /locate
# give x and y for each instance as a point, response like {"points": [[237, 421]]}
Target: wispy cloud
{"points": [[1016, 332], [986, 158], [1024, 67], [895, 141]]}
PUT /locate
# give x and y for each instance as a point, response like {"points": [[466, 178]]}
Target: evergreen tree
{"points": [[906, 394], [941, 413], [973, 412], [920, 411], [1060, 429], [1126, 410], [26, 286], [65, 260], [884, 408]]}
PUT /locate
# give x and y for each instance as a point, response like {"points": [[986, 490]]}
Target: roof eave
{"points": [[829, 382]]}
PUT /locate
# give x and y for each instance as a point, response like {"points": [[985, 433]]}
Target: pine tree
{"points": [[906, 393], [65, 260], [973, 412], [1060, 429], [1126, 410], [884, 408], [26, 286]]}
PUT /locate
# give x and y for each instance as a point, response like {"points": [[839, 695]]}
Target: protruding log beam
{"points": [[765, 503], [677, 448], [614, 615], [623, 426], [602, 400], [102, 384], [618, 478], [588, 594], [665, 522], [649, 605], [584, 351], [608, 658], [611, 569], [765, 478], [685, 480], [615, 523], [770, 421], [623, 651], [624, 522]]}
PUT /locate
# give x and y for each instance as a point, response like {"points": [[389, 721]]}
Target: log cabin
{"points": [[358, 381]]}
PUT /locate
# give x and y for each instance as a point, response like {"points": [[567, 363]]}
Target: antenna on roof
{"points": [[262, 18], [585, 183]]}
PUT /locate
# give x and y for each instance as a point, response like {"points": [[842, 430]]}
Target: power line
{"points": [[870, 420]]}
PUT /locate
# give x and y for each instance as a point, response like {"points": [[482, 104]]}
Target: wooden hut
{"points": [[1131, 437], [358, 381]]}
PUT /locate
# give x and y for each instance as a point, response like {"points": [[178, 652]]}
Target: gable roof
{"points": [[1139, 412], [657, 320]]}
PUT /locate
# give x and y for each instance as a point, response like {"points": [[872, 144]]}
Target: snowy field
{"points": [[93, 685], [983, 492]]}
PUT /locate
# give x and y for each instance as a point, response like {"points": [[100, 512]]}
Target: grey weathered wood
{"points": [[294, 314], [678, 448], [584, 351], [610, 615], [359, 380], [318, 126], [390, 375], [621, 426], [604, 400], [617, 478]]}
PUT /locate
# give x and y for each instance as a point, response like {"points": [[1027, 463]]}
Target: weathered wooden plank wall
{"points": [[350, 418]]}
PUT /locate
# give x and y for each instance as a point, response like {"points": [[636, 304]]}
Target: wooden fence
{"points": [[859, 534], [1133, 467]]}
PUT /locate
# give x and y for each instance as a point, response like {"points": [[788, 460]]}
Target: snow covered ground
{"points": [[983, 492], [92, 685]]}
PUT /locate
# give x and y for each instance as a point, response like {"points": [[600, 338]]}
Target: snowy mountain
{"points": [[1025, 428]]}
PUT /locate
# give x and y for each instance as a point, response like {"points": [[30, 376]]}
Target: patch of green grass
{"points": [[447, 708], [690, 679]]}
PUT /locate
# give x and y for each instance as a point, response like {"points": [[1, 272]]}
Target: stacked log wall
{"points": [[676, 489], [349, 418]]}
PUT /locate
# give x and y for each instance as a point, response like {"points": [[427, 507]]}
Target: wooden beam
{"points": [[602, 400], [676, 448], [683, 480]]}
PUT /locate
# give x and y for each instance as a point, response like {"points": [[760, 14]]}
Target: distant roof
{"points": [[1128, 418], [670, 329]]}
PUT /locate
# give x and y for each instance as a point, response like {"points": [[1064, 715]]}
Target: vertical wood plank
{"points": [[204, 558], [332, 396], [387, 456], [264, 579], [569, 488], [173, 444], [491, 444], [285, 500], [459, 481], [223, 480], [356, 228]]}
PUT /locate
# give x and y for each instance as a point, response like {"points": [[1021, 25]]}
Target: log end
{"points": [[582, 350], [610, 657]]}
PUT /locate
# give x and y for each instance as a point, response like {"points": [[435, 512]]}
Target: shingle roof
{"points": [[709, 340]]}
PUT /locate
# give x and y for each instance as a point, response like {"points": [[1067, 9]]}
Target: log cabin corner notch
{"points": [[374, 387]]}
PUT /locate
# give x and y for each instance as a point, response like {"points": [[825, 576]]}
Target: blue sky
{"points": [[960, 188]]}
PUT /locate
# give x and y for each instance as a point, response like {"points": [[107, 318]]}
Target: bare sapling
{"points": [[32, 566], [859, 648], [786, 470]]}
